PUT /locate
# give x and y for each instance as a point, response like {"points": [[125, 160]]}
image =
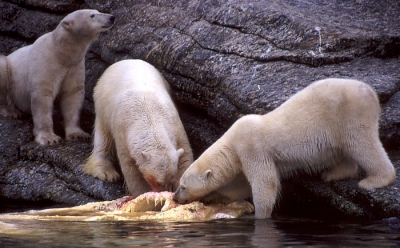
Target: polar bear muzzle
{"points": [[109, 18], [181, 196]]}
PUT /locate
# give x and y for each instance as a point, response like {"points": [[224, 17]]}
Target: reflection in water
{"points": [[243, 232]]}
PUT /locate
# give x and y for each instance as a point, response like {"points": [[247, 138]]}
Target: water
{"points": [[243, 232]]}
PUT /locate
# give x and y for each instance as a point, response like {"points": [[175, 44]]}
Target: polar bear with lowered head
{"points": [[331, 126], [138, 125], [54, 64]]}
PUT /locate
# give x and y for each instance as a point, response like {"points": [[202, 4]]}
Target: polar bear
{"points": [[138, 125], [331, 126], [53, 65]]}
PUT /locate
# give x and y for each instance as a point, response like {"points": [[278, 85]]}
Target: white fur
{"points": [[137, 120], [53, 65], [330, 126]]}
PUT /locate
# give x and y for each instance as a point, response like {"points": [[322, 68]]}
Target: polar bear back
{"points": [[128, 79], [336, 98], [134, 88], [331, 104], [311, 128], [129, 74]]}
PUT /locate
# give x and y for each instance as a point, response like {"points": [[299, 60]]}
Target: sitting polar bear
{"points": [[137, 122], [330, 126], [32, 76]]}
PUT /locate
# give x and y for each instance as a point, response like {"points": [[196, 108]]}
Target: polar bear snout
{"points": [[180, 196], [109, 21], [162, 187], [158, 185]]}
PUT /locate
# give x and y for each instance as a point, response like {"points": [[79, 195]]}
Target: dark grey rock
{"points": [[340, 199], [223, 59]]}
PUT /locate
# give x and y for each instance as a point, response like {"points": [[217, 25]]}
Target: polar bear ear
{"points": [[66, 24], [180, 152], [206, 175], [145, 155]]}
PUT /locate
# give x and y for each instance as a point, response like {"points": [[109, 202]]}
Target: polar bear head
{"points": [[160, 168], [87, 23], [197, 181], [216, 167]]}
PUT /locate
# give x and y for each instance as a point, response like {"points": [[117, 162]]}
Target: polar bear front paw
{"points": [[110, 175], [78, 136], [102, 169], [45, 139]]}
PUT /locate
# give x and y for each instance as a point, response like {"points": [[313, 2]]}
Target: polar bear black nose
{"points": [[112, 19], [175, 198]]}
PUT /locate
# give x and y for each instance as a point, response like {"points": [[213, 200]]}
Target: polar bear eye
{"points": [[92, 16]]}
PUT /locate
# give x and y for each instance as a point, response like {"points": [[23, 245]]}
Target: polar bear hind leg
{"points": [[380, 172], [372, 157]]}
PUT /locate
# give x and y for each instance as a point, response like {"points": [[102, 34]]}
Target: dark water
{"points": [[243, 232]]}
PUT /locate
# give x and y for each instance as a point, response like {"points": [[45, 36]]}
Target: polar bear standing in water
{"points": [[138, 125], [330, 126], [54, 64]]}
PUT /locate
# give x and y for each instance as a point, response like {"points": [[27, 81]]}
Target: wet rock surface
{"points": [[223, 59]]}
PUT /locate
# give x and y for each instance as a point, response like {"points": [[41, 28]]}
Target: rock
{"points": [[223, 59], [35, 173], [340, 199]]}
